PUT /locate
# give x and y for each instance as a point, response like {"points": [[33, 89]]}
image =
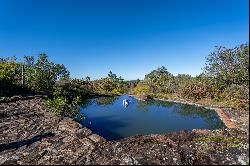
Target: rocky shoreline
{"points": [[29, 134]]}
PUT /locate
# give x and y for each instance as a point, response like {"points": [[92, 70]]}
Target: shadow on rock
{"points": [[19, 144]]}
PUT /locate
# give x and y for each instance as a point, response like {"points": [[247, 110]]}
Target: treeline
{"points": [[41, 76], [224, 80], [30, 76]]}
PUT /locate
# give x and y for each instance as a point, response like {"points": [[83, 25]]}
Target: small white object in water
{"points": [[125, 102]]}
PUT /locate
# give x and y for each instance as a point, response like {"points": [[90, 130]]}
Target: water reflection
{"points": [[145, 105], [209, 116], [142, 106], [105, 101], [109, 118]]}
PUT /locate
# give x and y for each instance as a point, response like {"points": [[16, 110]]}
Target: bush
{"points": [[116, 91], [60, 106], [141, 89], [197, 90], [71, 89], [237, 92]]}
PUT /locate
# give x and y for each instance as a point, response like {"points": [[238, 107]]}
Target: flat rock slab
{"points": [[31, 135], [225, 118]]}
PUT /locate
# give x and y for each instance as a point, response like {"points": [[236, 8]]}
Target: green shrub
{"points": [[237, 92], [196, 90], [141, 89], [61, 107], [116, 91]]}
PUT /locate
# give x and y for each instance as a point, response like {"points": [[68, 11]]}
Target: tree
{"points": [[160, 80], [42, 74], [9, 69], [9, 72], [228, 66], [198, 87], [111, 84]]}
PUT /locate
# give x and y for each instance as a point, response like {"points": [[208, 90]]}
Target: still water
{"points": [[108, 117]]}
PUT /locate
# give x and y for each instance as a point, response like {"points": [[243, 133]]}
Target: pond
{"points": [[109, 118]]}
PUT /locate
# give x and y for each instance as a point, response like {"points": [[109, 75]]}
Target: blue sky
{"points": [[129, 37]]}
